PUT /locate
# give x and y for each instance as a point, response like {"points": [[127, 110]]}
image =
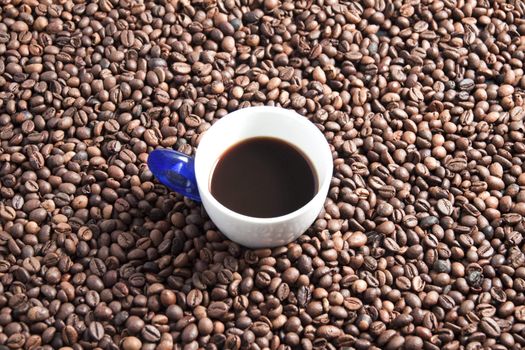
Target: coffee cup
{"points": [[192, 176]]}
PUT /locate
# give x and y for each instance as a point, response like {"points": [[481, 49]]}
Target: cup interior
{"points": [[256, 122]]}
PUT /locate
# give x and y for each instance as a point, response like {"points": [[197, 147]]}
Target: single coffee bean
{"points": [[490, 327], [69, 335], [38, 313], [328, 332], [96, 330], [217, 309], [150, 333], [131, 343]]}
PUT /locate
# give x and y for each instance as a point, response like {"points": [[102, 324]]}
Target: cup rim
{"points": [[205, 192]]}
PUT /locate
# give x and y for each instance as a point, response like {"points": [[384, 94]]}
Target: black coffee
{"points": [[263, 177]]}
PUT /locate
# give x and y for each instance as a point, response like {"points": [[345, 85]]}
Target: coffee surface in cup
{"points": [[263, 177]]}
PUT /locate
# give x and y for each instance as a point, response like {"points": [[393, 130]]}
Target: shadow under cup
{"points": [[263, 122]]}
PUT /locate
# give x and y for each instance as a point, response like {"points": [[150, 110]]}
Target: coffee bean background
{"points": [[420, 243]]}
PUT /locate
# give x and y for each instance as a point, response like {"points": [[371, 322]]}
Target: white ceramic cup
{"points": [[237, 126]]}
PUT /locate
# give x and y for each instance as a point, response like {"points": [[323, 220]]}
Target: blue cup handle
{"points": [[176, 171]]}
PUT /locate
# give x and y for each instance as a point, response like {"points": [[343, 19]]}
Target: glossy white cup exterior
{"points": [[263, 121]]}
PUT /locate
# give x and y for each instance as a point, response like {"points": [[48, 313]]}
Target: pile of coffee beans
{"points": [[420, 243]]}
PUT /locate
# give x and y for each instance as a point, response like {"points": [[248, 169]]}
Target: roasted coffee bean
{"points": [[69, 335], [131, 343], [191, 332], [96, 330], [328, 332], [38, 313], [490, 327], [260, 329], [217, 309], [150, 333]]}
